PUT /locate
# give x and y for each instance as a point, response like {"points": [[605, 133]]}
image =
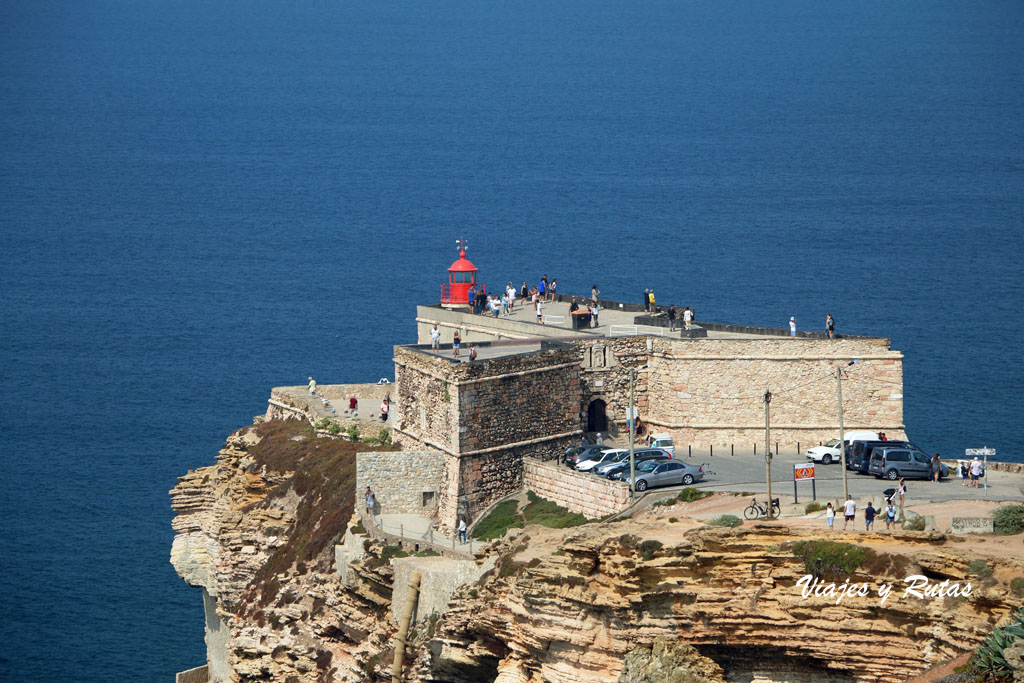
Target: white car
{"points": [[607, 456], [830, 453]]}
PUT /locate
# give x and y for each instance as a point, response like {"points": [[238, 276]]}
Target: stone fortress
{"points": [[537, 388]]}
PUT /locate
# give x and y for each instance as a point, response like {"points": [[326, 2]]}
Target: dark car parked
{"points": [[893, 463], [576, 455], [858, 453], [621, 469]]}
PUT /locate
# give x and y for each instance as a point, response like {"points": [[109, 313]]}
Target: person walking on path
{"points": [[869, 517], [672, 318], [975, 472], [462, 529], [456, 340], [890, 515], [936, 467], [962, 470], [312, 386], [435, 338], [830, 325], [792, 326], [385, 408], [524, 293], [830, 515], [849, 512], [511, 291], [371, 501], [540, 312]]}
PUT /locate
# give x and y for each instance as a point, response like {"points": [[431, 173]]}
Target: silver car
{"points": [[672, 473]]}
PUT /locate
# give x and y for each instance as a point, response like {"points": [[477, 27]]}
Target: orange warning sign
{"points": [[803, 472]]}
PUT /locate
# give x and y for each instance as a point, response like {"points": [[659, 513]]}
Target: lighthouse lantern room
{"points": [[461, 278]]}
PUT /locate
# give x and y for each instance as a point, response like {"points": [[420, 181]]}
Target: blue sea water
{"points": [[199, 201]]}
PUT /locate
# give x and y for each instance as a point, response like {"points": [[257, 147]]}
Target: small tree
{"points": [[353, 433]]}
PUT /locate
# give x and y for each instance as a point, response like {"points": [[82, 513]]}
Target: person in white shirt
{"points": [[435, 338], [540, 312], [849, 512], [687, 316], [975, 472], [830, 515], [462, 530], [511, 297], [792, 326]]}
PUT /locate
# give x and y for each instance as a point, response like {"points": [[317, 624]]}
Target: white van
{"points": [[664, 442], [830, 453]]}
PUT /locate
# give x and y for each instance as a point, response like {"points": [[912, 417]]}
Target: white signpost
{"points": [[985, 452]]}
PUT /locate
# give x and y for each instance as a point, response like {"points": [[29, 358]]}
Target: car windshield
{"points": [[831, 443], [647, 466]]}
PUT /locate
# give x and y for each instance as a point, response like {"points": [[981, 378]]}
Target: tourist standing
{"points": [[542, 288], [687, 316], [792, 326], [573, 307], [869, 517], [540, 311], [672, 318], [849, 511], [830, 325], [462, 529], [962, 469], [435, 338], [524, 292], [385, 407], [456, 340], [312, 386], [593, 314], [647, 300], [504, 305], [594, 293], [901, 491], [936, 467], [650, 297], [371, 501], [472, 299], [890, 515], [472, 352], [975, 472], [511, 297], [535, 297], [830, 515], [552, 289], [599, 440]]}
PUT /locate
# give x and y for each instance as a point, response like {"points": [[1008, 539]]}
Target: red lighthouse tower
{"points": [[461, 278]]}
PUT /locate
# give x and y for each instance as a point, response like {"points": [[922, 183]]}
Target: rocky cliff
{"points": [[645, 599]]}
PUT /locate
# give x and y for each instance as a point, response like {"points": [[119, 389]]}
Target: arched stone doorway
{"points": [[597, 420]]}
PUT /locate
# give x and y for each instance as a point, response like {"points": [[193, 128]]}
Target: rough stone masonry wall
{"points": [[427, 405], [405, 482], [709, 392], [605, 375], [590, 496]]}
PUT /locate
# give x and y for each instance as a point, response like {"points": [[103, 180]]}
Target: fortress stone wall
{"points": [[486, 416]]}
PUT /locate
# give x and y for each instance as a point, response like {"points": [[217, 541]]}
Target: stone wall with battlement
{"points": [[710, 391], [486, 416], [593, 497]]}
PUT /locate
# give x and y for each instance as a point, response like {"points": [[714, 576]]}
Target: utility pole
{"points": [[631, 415], [768, 449], [842, 436]]}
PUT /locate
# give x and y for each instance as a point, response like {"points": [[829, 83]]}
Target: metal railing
{"points": [[397, 533]]}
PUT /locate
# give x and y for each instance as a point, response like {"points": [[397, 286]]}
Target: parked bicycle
{"points": [[756, 510]]}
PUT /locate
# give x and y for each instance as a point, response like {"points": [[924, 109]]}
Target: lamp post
{"points": [[842, 436], [631, 421], [768, 449]]}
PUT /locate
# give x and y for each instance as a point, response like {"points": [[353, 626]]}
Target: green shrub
{"points": [[688, 495], [324, 423], [429, 552], [915, 524], [648, 549], [503, 517], [358, 528], [547, 513], [831, 560], [353, 433], [673, 520], [334, 428], [384, 437], [726, 520], [813, 506], [979, 568], [988, 660], [1017, 586], [1009, 519]]}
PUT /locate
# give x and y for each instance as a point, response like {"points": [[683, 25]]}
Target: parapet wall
{"points": [[406, 482], [588, 495]]}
